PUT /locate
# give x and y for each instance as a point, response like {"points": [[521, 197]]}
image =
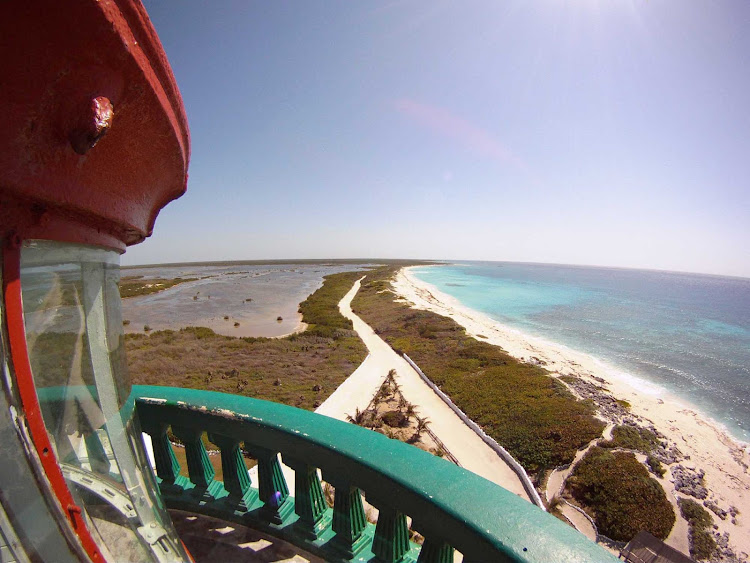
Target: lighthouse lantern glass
{"points": [[75, 342]]}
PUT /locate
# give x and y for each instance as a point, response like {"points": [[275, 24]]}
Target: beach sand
{"points": [[703, 443]]}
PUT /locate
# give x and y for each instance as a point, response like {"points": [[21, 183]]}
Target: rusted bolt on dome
{"points": [[92, 124]]}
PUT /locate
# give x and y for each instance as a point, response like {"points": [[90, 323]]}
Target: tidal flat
{"points": [[300, 370], [259, 300]]}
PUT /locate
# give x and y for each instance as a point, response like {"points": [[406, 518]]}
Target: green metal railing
{"points": [[451, 507]]}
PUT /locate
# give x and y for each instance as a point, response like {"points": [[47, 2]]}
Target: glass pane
{"points": [[76, 348]]}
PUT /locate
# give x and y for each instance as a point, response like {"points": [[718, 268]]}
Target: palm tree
{"points": [[391, 377], [402, 403], [390, 380], [358, 417], [421, 425]]}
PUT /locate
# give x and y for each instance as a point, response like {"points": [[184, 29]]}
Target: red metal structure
{"points": [[71, 72], [93, 143]]}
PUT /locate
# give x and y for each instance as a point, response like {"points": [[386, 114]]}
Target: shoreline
{"points": [[705, 444]]}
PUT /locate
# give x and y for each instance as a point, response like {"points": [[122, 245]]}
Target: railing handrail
{"points": [[474, 515]]}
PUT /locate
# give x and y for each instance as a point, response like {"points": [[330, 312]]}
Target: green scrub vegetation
{"points": [[525, 410], [702, 543], [134, 286], [633, 438], [618, 493]]}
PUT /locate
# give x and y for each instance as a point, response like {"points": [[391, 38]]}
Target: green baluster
{"points": [[391, 541], [236, 479], [435, 551], [272, 487], [309, 502], [349, 520], [97, 456], [167, 466], [199, 466]]}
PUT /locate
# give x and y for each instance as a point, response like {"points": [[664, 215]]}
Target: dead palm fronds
{"points": [[358, 417], [402, 403]]}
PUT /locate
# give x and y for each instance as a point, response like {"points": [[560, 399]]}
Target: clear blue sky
{"points": [[607, 132]]}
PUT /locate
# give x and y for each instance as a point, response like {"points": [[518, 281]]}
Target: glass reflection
{"points": [[76, 348]]}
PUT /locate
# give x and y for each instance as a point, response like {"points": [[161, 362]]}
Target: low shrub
{"points": [[694, 513], [320, 310], [655, 466], [702, 543], [395, 419], [621, 497], [633, 438], [200, 332]]}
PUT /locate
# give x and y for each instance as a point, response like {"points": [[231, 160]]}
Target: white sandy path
{"points": [[725, 461], [471, 452], [360, 387]]}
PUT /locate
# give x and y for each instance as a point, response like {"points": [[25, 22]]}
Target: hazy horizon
{"points": [[279, 261], [609, 134]]}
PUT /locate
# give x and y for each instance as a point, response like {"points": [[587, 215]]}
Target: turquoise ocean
{"points": [[686, 333]]}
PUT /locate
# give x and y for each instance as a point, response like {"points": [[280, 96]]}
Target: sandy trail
{"points": [[360, 387], [356, 392], [579, 521]]}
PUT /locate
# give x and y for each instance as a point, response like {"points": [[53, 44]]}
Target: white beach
{"points": [[703, 442]]}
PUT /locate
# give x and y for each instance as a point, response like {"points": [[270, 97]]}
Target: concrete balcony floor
{"points": [[212, 540]]}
